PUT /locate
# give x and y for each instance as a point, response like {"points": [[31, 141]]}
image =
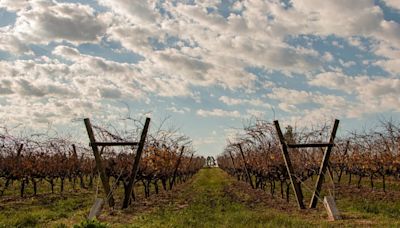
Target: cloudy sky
{"points": [[207, 65]]}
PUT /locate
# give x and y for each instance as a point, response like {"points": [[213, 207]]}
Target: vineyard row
{"points": [[256, 157]]}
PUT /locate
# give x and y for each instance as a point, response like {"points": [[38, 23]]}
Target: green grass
{"points": [[35, 212], [210, 207], [381, 212], [378, 208]]}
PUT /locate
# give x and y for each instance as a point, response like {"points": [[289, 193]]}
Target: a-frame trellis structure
{"points": [[324, 164], [104, 178]]}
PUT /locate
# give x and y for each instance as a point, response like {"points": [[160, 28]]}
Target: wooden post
{"points": [[330, 172], [190, 160], [245, 165], [74, 151], [135, 167], [347, 148], [295, 184], [176, 168], [233, 162], [190, 163], [19, 154], [20, 150], [99, 164], [324, 165]]}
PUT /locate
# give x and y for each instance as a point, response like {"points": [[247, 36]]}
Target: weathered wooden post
{"points": [[245, 165], [324, 165], [190, 160], [19, 150], [135, 167], [189, 164], [176, 168], [99, 164], [74, 151], [233, 163], [295, 184]]}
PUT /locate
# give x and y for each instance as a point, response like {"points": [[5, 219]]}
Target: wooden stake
{"points": [[135, 167], [20, 150], [245, 166], [233, 162], [190, 161], [295, 184], [99, 164], [324, 165], [176, 168]]}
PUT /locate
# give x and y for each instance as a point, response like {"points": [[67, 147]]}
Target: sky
{"points": [[208, 66]]}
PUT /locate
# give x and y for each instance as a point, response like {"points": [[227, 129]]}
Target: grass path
{"points": [[214, 199], [204, 203]]}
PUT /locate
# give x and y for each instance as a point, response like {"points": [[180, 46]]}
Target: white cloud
{"points": [[393, 3], [45, 21], [339, 17], [387, 50], [109, 92], [333, 80], [217, 46], [317, 103], [290, 96], [177, 110], [14, 5], [252, 102], [204, 140], [10, 43], [141, 12], [67, 52], [392, 65], [328, 57], [256, 113], [40, 84], [218, 113], [347, 64], [373, 94]]}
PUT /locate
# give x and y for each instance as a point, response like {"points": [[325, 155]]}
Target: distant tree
{"points": [[210, 162], [289, 134]]}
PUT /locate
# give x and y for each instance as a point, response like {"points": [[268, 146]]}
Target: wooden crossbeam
{"points": [[114, 144], [309, 145]]}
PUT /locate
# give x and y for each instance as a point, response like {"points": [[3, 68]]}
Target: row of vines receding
{"points": [[255, 156]]}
